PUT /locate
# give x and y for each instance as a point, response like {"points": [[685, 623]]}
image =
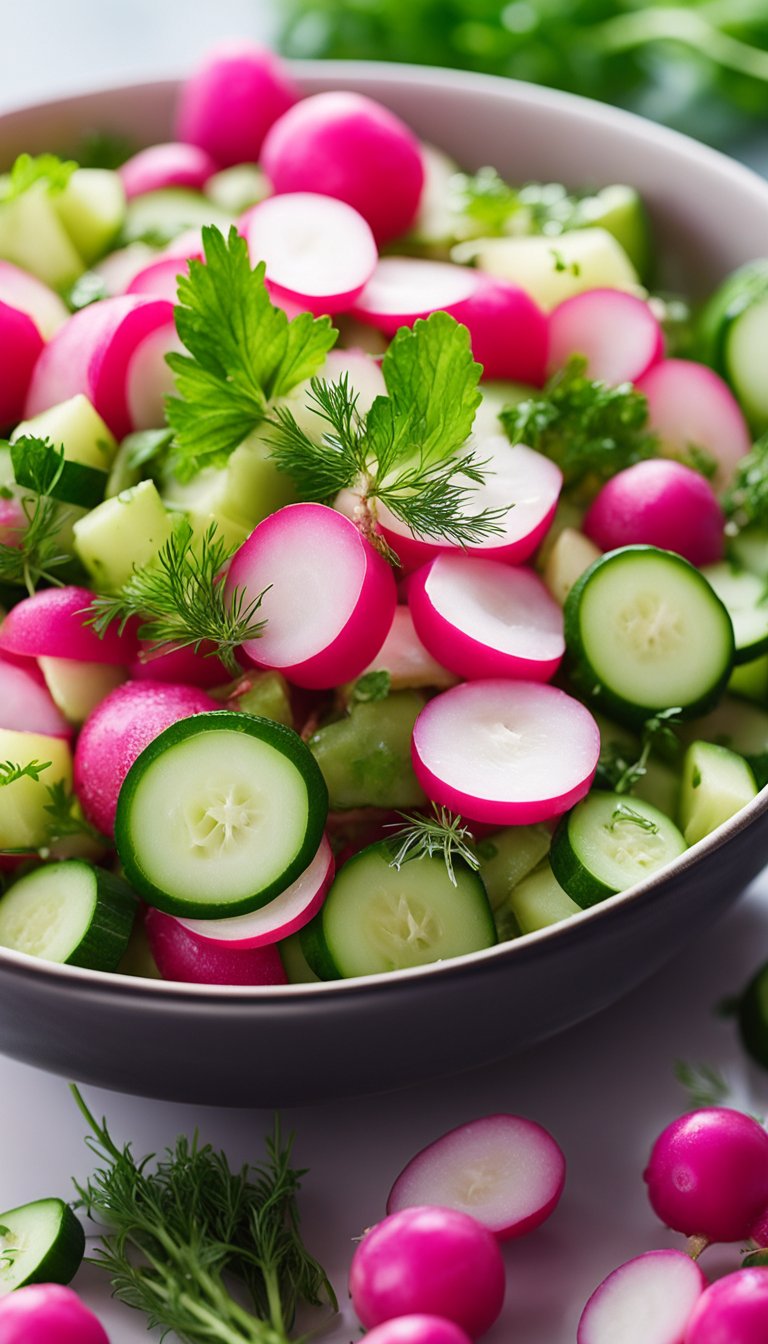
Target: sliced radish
{"points": [[20, 348], [405, 658], [616, 332], [508, 331], [505, 1171], [174, 164], [118, 269], [646, 1301], [419, 1329], [403, 289], [689, 406], [148, 378], [180, 955], [509, 752], [21, 290], [319, 251], [160, 279], [26, 706], [51, 623], [183, 666], [229, 103], [329, 597], [659, 503], [284, 915]]}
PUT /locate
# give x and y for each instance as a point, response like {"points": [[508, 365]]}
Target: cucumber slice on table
{"points": [[717, 783], [69, 912], [646, 632], [42, 1242], [608, 843], [745, 598], [219, 814]]}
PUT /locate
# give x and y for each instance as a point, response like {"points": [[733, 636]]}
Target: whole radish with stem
{"points": [[48, 1313], [648, 1300], [734, 1310]]}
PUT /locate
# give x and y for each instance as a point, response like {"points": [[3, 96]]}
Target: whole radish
{"points": [[708, 1174], [648, 1300], [659, 503], [52, 623], [418, 1329], [734, 1310], [428, 1260], [230, 102], [47, 1313]]}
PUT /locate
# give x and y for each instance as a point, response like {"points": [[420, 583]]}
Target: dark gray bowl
{"points": [[277, 1046]]}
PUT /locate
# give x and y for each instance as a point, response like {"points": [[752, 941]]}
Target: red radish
{"points": [[26, 706], [659, 503], [183, 666], [734, 1310], [117, 732], [174, 164], [758, 1232], [21, 290], [403, 289], [508, 331], [417, 1330], [646, 1301], [181, 955], [406, 660], [689, 406], [48, 1313], [480, 618], [319, 251], [284, 915], [13, 522], [329, 597], [348, 146], [92, 354], [20, 347], [428, 1260], [708, 1174], [149, 380], [118, 268], [616, 332], [505, 1171], [230, 102], [507, 752], [52, 623], [160, 279]]}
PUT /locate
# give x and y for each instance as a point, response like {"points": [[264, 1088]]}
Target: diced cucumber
{"points": [[539, 901], [751, 680], [122, 534], [716, 784], [568, 514], [507, 856], [749, 548], [265, 694], [77, 688], [660, 785], [745, 598], [24, 821], [496, 395], [69, 482], [235, 189], [295, 964], [620, 210], [646, 632], [221, 812], [77, 427], [554, 269], [41, 1242], [32, 236], [378, 918], [609, 842], [740, 726], [247, 490], [92, 208], [366, 757], [71, 913], [160, 216], [230, 533], [571, 554]]}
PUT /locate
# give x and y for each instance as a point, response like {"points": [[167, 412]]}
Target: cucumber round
{"points": [[733, 329], [646, 632], [42, 1242], [608, 843], [69, 912], [745, 598], [219, 814]]}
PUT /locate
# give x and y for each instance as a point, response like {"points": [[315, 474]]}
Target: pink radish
{"points": [[230, 102], [616, 332], [403, 289], [160, 279], [348, 146], [181, 955], [481, 618], [52, 623], [689, 406], [428, 1260], [329, 597], [183, 666], [284, 915], [48, 1313], [21, 290], [169, 165], [118, 268], [659, 503], [405, 658], [26, 706], [20, 347], [734, 1310], [417, 1330], [508, 331], [507, 752], [148, 378], [117, 732], [319, 251], [92, 353], [13, 522], [503, 1170], [648, 1300]]}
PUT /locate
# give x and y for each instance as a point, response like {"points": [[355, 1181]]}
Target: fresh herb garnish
{"points": [[242, 353], [88, 288], [66, 816], [27, 170], [443, 833], [36, 554], [483, 201], [373, 686], [624, 813], [10, 771], [746, 498], [145, 446], [616, 773], [705, 1085]]}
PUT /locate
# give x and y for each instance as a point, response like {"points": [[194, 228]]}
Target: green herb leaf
{"points": [[146, 445], [10, 772], [66, 815], [373, 686], [443, 833], [705, 1085], [27, 170], [624, 813], [746, 498], [35, 555]]}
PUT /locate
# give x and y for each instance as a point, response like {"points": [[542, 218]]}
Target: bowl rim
{"points": [[150, 992]]}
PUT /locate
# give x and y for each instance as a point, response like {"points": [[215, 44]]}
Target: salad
{"points": [[384, 561]]}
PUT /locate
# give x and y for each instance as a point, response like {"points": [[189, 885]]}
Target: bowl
{"points": [[301, 1043]]}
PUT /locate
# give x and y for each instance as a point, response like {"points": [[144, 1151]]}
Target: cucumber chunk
{"points": [[740, 726], [122, 534], [539, 901], [78, 427], [92, 208], [751, 680], [221, 812], [41, 1242], [716, 784], [733, 329], [745, 598], [24, 819], [608, 843], [71, 913], [505, 859], [366, 757]]}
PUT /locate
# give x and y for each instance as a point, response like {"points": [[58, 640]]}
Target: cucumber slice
{"points": [[539, 901], [70, 913], [221, 812], [740, 726], [647, 632], [608, 843], [716, 784], [751, 680], [733, 329], [295, 964], [378, 918], [41, 1242], [507, 856], [745, 598]]}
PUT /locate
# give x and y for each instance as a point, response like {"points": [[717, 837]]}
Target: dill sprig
{"points": [[10, 771], [443, 833], [616, 773], [66, 815], [703, 1083], [35, 554]]}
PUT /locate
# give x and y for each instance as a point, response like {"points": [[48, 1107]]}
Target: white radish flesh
{"points": [[149, 379], [689, 406], [646, 1301], [26, 706], [616, 332], [401, 289], [406, 660], [25, 292]]}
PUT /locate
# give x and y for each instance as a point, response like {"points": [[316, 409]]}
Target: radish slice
{"points": [[505, 1171], [21, 290], [508, 331], [403, 289], [180, 955], [617, 333], [658, 503], [25, 704], [418, 1329], [319, 252], [690, 406], [284, 915], [405, 658], [364, 380], [330, 600], [231, 101], [183, 666], [508, 752], [148, 378], [118, 269], [646, 1301], [51, 623], [481, 618], [20, 348], [174, 164], [160, 279]]}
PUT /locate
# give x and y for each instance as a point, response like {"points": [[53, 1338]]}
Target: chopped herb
{"points": [[10, 771], [66, 815], [36, 554], [616, 773], [484, 200], [442, 833], [371, 687], [146, 445], [696, 778], [746, 498], [27, 171], [625, 813], [562, 265]]}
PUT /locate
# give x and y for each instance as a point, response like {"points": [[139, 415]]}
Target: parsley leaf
{"points": [[27, 171], [746, 499]]}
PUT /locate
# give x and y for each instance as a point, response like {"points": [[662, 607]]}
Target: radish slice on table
{"points": [[508, 752], [329, 597], [616, 332], [181, 955], [230, 102], [52, 623], [689, 406], [21, 290], [481, 618], [659, 503], [646, 1301], [319, 251], [174, 164], [25, 704], [149, 379], [403, 289], [503, 1170], [285, 914], [20, 348]]}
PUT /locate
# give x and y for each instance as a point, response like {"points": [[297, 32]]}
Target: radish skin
{"points": [[181, 955], [48, 1313], [690, 406], [52, 624], [20, 348], [508, 332], [707, 1175], [648, 1300], [230, 102], [173, 164], [42, 305], [184, 666], [734, 1310], [659, 503], [417, 1330], [160, 279], [616, 332]]}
